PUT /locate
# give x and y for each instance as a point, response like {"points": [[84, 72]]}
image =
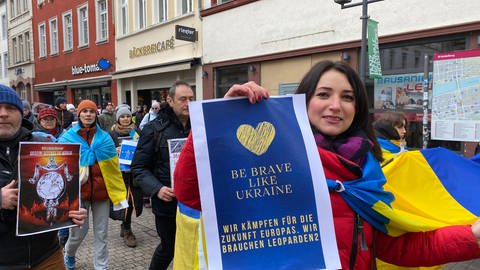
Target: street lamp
{"points": [[364, 18]]}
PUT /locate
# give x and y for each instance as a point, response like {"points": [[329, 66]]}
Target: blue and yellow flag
{"points": [[102, 150], [433, 188], [190, 240], [422, 191]]}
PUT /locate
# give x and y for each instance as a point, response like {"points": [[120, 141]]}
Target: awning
{"points": [[79, 83], [170, 67]]}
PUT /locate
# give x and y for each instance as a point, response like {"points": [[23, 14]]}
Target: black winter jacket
{"points": [[26, 251], [65, 117], [151, 162]]}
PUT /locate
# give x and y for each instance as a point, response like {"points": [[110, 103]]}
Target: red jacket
{"points": [[453, 243]]}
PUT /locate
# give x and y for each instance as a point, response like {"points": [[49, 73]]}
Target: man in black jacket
{"points": [[151, 167], [63, 115], [27, 251]]}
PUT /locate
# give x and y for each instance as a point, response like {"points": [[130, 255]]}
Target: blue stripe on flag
{"points": [[190, 212], [459, 176]]}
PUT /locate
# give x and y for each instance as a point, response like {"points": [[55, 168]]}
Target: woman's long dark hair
{"points": [[361, 119]]}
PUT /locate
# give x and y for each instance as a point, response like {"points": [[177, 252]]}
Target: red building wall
{"points": [[58, 67]]}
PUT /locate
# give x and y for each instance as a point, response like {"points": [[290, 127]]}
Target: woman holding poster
{"points": [[337, 108], [125, 128]]}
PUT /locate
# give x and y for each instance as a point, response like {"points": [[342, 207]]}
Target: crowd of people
{"points": [[100, 135], [337, 108]]}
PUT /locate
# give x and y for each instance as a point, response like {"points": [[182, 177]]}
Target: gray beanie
{"points": [[122, 111]]}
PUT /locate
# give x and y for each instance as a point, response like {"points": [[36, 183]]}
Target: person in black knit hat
{"points": [[63, 115]]}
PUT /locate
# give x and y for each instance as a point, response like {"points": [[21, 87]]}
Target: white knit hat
{"points": [[70, 106]]}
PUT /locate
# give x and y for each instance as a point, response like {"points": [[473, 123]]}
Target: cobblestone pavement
{"points": [[138, 258], [467, 265], [120, 256]]}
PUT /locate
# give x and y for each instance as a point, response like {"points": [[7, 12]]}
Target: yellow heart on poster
{"points": [[256, 140]]}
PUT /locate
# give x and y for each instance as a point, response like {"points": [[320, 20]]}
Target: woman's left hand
{"points": [[251, 90], [78, 217]]}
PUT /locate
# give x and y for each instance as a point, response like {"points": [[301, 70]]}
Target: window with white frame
{"points": [[25, 5], [27, 46], [124, 17], [184, 7], [5, 65], [67, 31], [12, 8], [23, 91], [53, 36], [160, 11], [102, 20], [17, 7], [141, 14], [14, 50], [42, 41], [20, 49], [4, 26], [82, 26]]}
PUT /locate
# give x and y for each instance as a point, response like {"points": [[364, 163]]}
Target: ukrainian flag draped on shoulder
{"points": [[422, 191], [431, 188], [103, 151]]}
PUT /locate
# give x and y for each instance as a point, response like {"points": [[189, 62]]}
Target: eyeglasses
{"points": [[48, 119]]}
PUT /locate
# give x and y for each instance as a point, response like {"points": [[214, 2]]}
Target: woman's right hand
{"points": [[251, 90]]}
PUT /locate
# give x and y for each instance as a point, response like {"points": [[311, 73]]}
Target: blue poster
{"points": [[263, 192], [127, 150]]}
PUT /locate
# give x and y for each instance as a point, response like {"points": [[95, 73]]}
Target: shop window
{"points": [[287, 88], [226, 77], [407, 60], [159, 95]]}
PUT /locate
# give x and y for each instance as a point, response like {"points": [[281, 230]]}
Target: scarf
{"points": [[353, 147], [123, 130], [101, 150]]}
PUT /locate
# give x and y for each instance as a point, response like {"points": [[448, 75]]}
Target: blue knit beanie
{"points": [[9, 96], [60, 100]]}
